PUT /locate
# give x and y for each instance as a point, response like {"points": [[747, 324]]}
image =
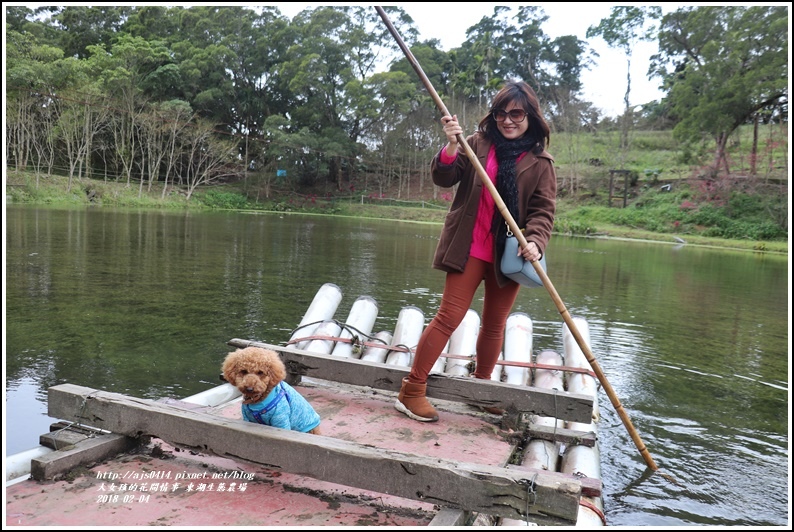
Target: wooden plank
{"points": [[458, 485], [591, 487], [85, 452], [62, 438], [478, 392], [567, 436]]}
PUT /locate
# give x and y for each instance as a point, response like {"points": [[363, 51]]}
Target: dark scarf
{"points": [[507, 152]]}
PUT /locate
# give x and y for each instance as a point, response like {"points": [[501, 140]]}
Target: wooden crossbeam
{"points": [[474, 487], [591, 487], [567, 436], [478, 392], [63, 437], [82, 451]]}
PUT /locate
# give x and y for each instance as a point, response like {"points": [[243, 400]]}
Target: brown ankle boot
{"points": [[413, 403]]}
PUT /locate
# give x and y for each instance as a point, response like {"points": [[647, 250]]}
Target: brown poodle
{"points": [[259, 375]]}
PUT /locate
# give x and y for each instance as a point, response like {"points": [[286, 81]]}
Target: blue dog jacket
{"points": [[283, 408]]}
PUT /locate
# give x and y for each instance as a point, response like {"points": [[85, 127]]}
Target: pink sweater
{"points": [[482, 238]]}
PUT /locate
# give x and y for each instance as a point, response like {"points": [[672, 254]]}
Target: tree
{"points": [[300, 95], [327, 69], [177, 116], [527, 45], [123, 71], [508, 45], [17, 17], [155, 23], [399, 132], [624, 28], [29, 100], [86, 26], [730, 62], [566, 57], [81, 117], [408, 124], [481, 58], [207, 159], [227, 60]]}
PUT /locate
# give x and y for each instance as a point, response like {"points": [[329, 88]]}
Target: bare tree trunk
{"points": [[624, 137], [245, 162], [754, 150], [336, 172], [720, 157]]}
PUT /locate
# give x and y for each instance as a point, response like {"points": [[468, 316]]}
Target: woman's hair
{"points": [[522, 93]]}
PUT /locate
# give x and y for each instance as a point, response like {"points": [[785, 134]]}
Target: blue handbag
{"points": [[516, 268]]}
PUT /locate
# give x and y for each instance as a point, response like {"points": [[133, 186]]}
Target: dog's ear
{"points": [[278, 372], [228, 368]]}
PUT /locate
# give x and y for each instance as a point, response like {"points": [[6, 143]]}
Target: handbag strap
{"points": [[509, 232]]}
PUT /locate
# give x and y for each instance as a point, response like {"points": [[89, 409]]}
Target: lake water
{"points": [[694, 341]]}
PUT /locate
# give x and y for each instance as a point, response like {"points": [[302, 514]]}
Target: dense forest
{"points": [[208, 94]]}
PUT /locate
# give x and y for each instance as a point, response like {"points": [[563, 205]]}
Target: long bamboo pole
{"points": [[523, 242]]}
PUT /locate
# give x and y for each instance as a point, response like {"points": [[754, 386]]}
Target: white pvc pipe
{"points": [[378, 354], [496, 374], [322, 308], [538, 453], [581, 460], [328, 328], [548, 379], [541, 454], [581, 383], [441, 361], [361, 319], [214, 396], [544, 454], [518, 347], [585, 461], [18, 465], [410, 323], [587, 518], [463, 341], [574, 356]]}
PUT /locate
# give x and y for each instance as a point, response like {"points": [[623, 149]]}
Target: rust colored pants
{"points": [[459, 290]]}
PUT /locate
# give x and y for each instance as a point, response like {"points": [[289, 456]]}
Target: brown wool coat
{"points": [[537, 198]]}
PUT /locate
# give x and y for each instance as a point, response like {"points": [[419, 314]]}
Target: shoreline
{"points": [[603, 233], [664, 238]]}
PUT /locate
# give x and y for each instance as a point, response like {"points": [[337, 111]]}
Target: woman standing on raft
{"points": [[510, 144]]}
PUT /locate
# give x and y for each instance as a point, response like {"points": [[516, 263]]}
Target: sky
{"points": [[604, 85]]}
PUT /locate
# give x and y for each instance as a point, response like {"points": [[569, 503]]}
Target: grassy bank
{"points": [[741, 221]]}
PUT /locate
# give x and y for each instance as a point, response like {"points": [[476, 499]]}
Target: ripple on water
{"points": [[721, 475]]}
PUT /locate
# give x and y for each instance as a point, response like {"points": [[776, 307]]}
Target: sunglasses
{"points": [[516, 115]]}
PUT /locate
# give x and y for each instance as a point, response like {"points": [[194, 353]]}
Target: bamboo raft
{"points": [[537, 464]]}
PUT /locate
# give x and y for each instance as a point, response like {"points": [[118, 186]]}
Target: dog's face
{"points": [[254, 371]]}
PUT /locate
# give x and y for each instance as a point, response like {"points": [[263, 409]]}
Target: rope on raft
{"points": [[596, 509], [372, 341]]}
